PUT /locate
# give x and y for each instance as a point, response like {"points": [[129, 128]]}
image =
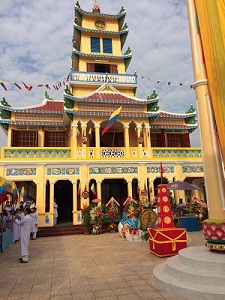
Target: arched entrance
{"points": [[158, 181], [63, 194], [116, 188]]}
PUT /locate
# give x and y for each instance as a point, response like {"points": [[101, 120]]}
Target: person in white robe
{"points": [[16, 227], [55, 212], [34, 223], [25, 224]]}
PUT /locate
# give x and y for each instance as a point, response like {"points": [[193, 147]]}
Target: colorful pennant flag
{"points": [[77, 133], [138, 189], [112, 119], [29, 88], [17, 85], [79, 190], [93, 189], [2, 84], [161, 170], [90, 135]]}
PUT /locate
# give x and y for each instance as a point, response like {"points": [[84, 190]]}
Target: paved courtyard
{"points": [[83, 267]]}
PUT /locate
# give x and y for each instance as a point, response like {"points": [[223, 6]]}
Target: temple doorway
{"points": [[63, 194], [116, 188]]}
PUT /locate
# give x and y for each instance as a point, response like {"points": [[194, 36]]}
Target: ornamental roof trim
{"points": [[107, 114], [46, 107], [127, 56], [173, 127], [100, 31], [5, 121], [109, 90], [165, 114], [83, 12]]}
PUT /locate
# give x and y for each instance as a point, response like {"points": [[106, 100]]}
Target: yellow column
{"points": [[9, 138], [99, 190], [129, 188], [40, 192], [73, 141], [84, 146], [127, 142], [41, 137], [213, 173], [97, 141], [52, 196], [75, 202], [139, 145]]}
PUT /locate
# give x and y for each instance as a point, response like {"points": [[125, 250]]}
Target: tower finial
{"points": [[96, 8]]}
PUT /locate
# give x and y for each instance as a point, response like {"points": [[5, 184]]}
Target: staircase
{"points": [[195, 273], [59, 230]]}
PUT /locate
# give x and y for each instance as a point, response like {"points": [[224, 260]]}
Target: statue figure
{"points": [[191, 110], [5, 103], [125, 26], [154, 95], [129, 227], [47, 96], [67, 91], [122, 10], [128, 51], [77, 4]]}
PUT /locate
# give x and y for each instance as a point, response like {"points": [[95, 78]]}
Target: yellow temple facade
{"points": [[57, 150]]}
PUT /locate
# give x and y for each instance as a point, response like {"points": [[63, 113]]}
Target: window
{"points": [[107, 45], [24, 138], [174, 140], [55, 139], [95, 44], [154, 140]]}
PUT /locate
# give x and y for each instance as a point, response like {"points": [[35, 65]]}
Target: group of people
{"points": [[22, 219]]}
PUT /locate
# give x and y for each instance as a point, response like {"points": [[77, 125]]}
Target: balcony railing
{"points": [[92, 153], [94, 77]]}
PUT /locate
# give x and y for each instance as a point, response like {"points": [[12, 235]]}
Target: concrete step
{"points": [[59, 230], [193, 275], [182, 277]]}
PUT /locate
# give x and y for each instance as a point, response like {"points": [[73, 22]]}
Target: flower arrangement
{"points": [[96, 216], [112, 212], [131, 207], [86, 217], [199, 207]]}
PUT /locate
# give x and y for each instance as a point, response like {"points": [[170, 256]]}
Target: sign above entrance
{"points": [[62, 171]]}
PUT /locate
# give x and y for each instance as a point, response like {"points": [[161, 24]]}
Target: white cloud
{"points": [[36, 42]]}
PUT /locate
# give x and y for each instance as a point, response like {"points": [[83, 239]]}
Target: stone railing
{"points": [[103, 77]]}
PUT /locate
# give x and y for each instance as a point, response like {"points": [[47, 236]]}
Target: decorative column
{"points": [[139, 145], [99, 190], [129, 188], [97, 141], [84, 141], [52, 197], [74, 141], [75, 218], [9, 138], [41, 137], [213, 172], [127, 141], [40, 192]]}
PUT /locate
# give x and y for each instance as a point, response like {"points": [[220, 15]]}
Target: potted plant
{"points": [[86, 219]]}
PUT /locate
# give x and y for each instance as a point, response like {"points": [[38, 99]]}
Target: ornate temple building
{"points": [[100, 140]]}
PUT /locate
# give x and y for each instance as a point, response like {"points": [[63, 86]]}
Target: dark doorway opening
{"points": [[116, 188], [158, 181], [63, 194]]}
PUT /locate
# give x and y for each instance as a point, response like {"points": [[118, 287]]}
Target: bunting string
{"points": [[62, 83], [29, 87]]}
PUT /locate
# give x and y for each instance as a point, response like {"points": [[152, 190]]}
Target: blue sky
{"points": [[36, 46]]}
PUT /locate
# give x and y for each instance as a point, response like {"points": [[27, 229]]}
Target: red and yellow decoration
{"points": [[166, 239]]}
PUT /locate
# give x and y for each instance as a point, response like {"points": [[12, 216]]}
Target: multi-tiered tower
{"points": [[57, 150]]}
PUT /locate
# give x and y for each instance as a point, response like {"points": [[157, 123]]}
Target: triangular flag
{"points": [[2, 84], [112, 119]]}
